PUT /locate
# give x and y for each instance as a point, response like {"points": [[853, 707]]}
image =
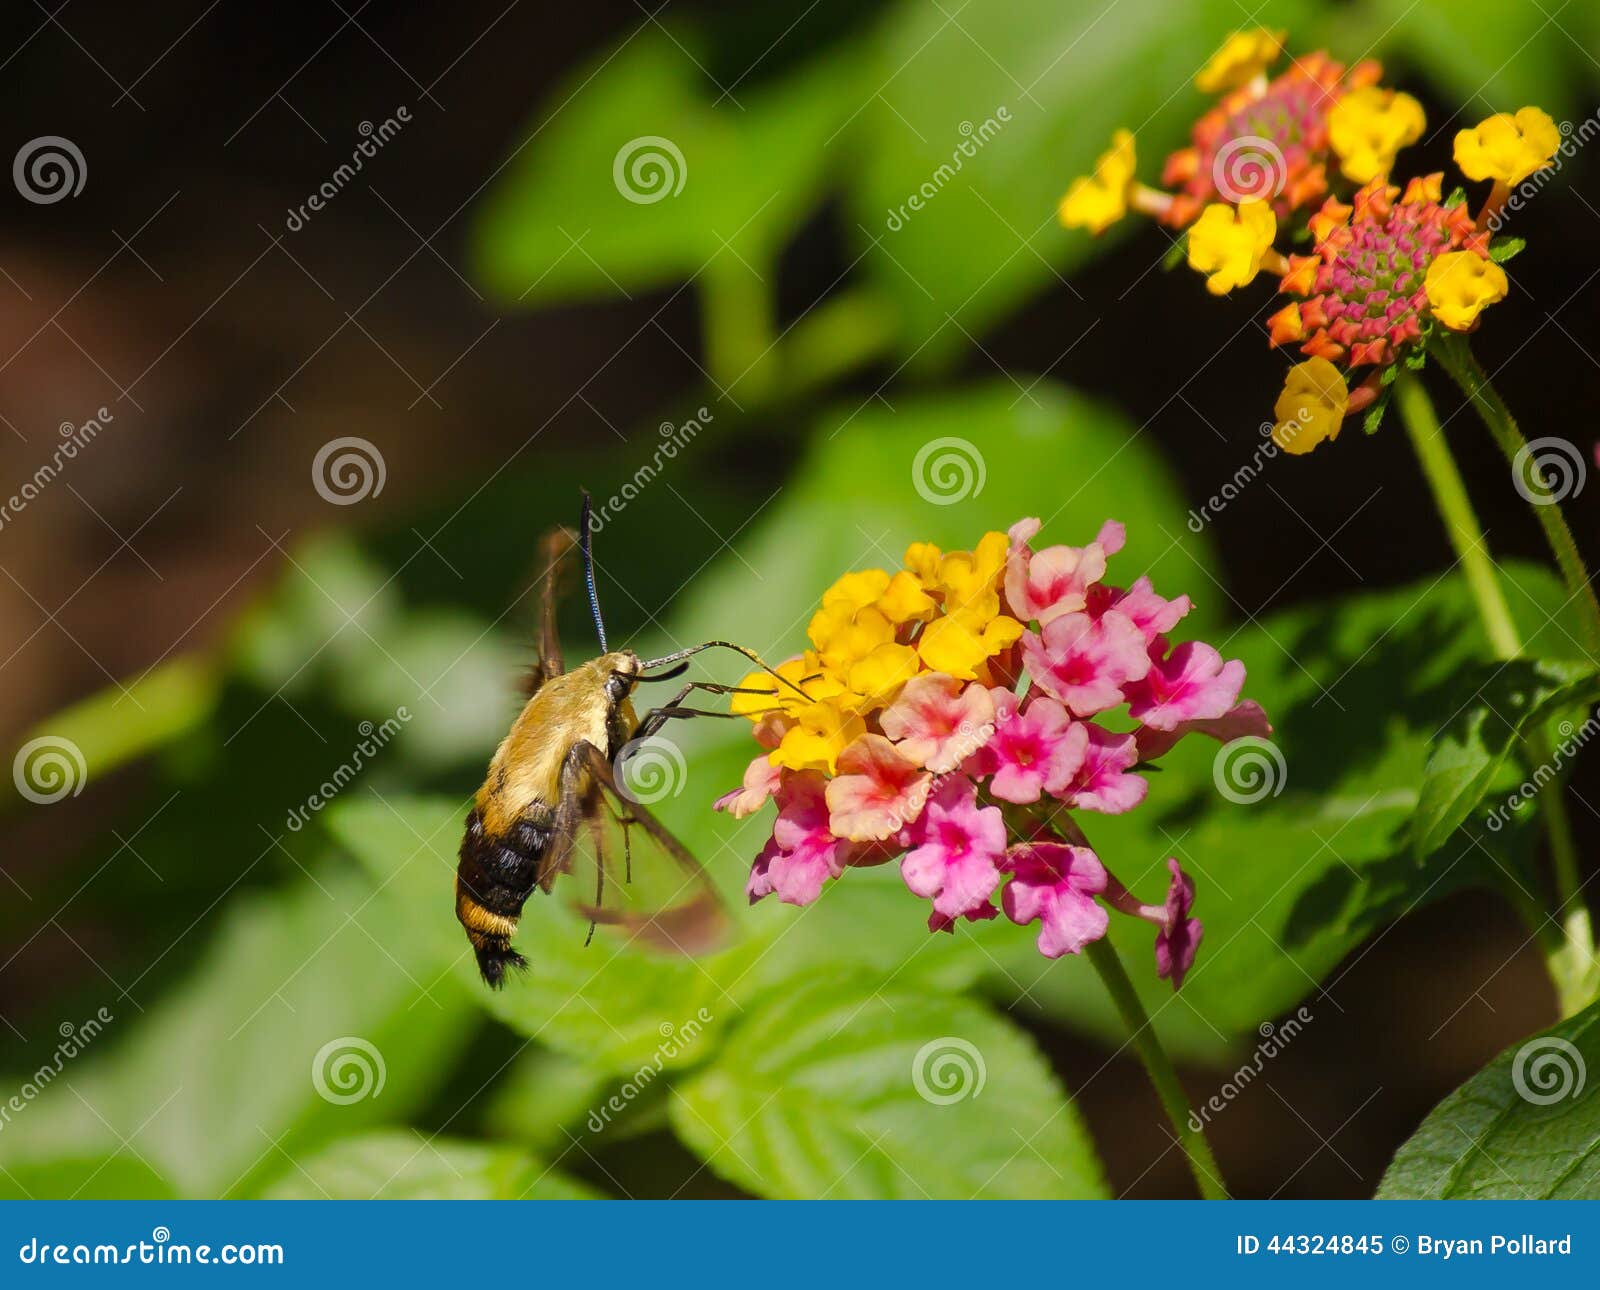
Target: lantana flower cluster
{"points": [[958, 714], [1386, 264]]}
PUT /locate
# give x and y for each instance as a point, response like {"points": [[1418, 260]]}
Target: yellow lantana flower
{"points": [[905, 600], [1508, 148], [1243, 57], [843, 635], [970, 580], [958, 644], [875, 680], [814, 742], [1098, 201], [1311, 407], [1460, 285], [1227, 243], [1368, 127], [769, 694], [856, 590]]}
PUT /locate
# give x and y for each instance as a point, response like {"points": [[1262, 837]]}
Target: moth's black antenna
{"points": [[588, 570]]}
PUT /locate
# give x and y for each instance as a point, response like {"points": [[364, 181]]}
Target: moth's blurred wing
{"points": [[626, 870], [555, 556]]}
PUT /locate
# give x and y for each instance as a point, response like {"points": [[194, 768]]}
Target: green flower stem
{"points": [[1202, 1164], [1460, 520], [1569, 958], [1457, 358]]}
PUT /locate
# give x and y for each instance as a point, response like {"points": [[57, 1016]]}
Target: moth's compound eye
{"points": [[617, 686]]}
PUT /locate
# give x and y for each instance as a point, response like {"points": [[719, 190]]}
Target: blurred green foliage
{"points": [[271, 942]]}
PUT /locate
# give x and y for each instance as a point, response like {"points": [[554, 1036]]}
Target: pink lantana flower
{"points": [[1103, 782], [1177, 935], [1153, 615], [1190, 684], [1242, 719], [1045, 584], [1178, 941], [939, 721], [803, 853], [1032, 752], [1057, 885], [956, 856], [1087, 662], [878, 791], [761, 779]]}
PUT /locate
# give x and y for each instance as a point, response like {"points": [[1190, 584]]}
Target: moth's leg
{"points": [[653, 720]]}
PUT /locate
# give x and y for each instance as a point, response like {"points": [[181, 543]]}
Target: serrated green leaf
{"points": [[1525, 1127], [841, 1088], [1506, 248], [1500, 703], [399, 1165]]}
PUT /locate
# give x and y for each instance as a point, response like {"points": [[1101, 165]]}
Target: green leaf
{"points": [[1502, 703], [543, 1093], [640, 174], [114, 1177], [1373, 421], [1506, 248], [400, 1165], [986, 236], [311, 1013], [1176, 252], [852, 1088], [1527, 1126]]}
